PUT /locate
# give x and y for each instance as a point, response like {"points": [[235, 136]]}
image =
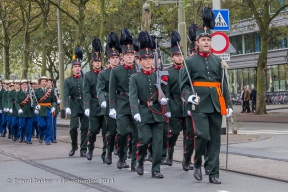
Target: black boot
{"points": [[129, 154], [169, 160], [89, 155], [125, 165], [197, 174], [157, 175], [214, 180], [83, 154], [185, 165], [140, 169], [108, 158], [72, 152], [120, 164]]}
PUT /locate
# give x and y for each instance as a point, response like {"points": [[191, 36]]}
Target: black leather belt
{"points": [[150, 103], [122, 93], [175, 96], [76, 98], [94, 96]]}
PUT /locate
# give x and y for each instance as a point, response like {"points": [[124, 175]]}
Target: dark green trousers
{"points": [[96, 123], [176, 125], [165, 140], [74, 124], [150, 133], [208, 137], [188, 139], [125, 125], [110, 133]]}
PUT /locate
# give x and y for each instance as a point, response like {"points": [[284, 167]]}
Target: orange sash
{"points": [[47, 105], [25, 100], [220, 96]]}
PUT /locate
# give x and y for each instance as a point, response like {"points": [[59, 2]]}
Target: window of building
{"points": [[246, 77], [250, 43], [282, 78], [238, 44], [240, 78], [252, 77]]}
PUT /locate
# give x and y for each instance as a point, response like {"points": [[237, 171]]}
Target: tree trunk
{"points": [[6, 54], [79, 32], [261, 74], [102, 3], [44, 45], [26, 48], [146, 17]]}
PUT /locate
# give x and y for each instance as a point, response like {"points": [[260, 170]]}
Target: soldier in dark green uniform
{"points": [[45, 107], [90, 100], [188, 134], [25, 110], [148, 108], [73, 102], [1, 106], [112, 51], [5, 108], [177, 120], [12, 108], [119, 100], [210, 83]]}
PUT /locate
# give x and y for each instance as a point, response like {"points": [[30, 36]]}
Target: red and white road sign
{"points": [[220, 42]]}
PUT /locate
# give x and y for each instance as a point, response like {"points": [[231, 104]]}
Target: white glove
{"points": [[52, 109], [0, 111], [168, 114], [103, 104], [137, 117], [112, 113], [193, 99], [163, 101], [59, 102], [20, 111], [229, 112], [68, 111], [87, 112], [10, 110], [36, 111], [38, 107], [5, 109], [189, 112]]}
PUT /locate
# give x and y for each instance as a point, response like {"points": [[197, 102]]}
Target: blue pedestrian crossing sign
{"points": [[222, 20]]}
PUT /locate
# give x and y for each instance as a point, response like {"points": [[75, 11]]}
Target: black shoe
{"points": [[37, 136], [140, 169], [133, 169], [72, 152], [108, 158], [214, 180], [115, 151], [129, 154], [191, 167], [14, 139], [82, 153], [9, 136], [185, 165], [125, 165], [40, 140], [163, 162], [48, 143], [21, 140], [53, 141], [169, 160], [4, 135], [89, 155], [197, 174], [207, 171], [28, 142], [120, 164], [157, 175]]}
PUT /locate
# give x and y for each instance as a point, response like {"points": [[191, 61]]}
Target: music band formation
{"points": [[139, 107]]}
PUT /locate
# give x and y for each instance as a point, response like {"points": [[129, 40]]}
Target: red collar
{"points": [[203, 54], [96, 71], [148, 72], [76, 76], [110, 68], [127, 66], [178, 67]]}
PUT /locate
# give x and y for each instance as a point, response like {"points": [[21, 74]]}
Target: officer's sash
{"points": [[25, 100], [45, 96]]}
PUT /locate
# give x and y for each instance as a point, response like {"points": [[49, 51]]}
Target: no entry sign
{"points": [[220, 42]]}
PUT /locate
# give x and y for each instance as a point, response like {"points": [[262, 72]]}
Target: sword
{"points": [[227, 125]]}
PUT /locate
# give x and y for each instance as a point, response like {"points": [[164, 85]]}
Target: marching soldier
{"points": [[14, 112], [24, 107], [210, 83], [5, 108], [10, 110], [112, 51], [50, 85], [119, 100], [188, 141], [45, 104], [90, 100], [73, 101], [148, 107], [34, 86], [177, 121]]}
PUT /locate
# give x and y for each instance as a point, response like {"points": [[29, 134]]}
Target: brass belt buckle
{"points": [[198, 99], [149, 103]]}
